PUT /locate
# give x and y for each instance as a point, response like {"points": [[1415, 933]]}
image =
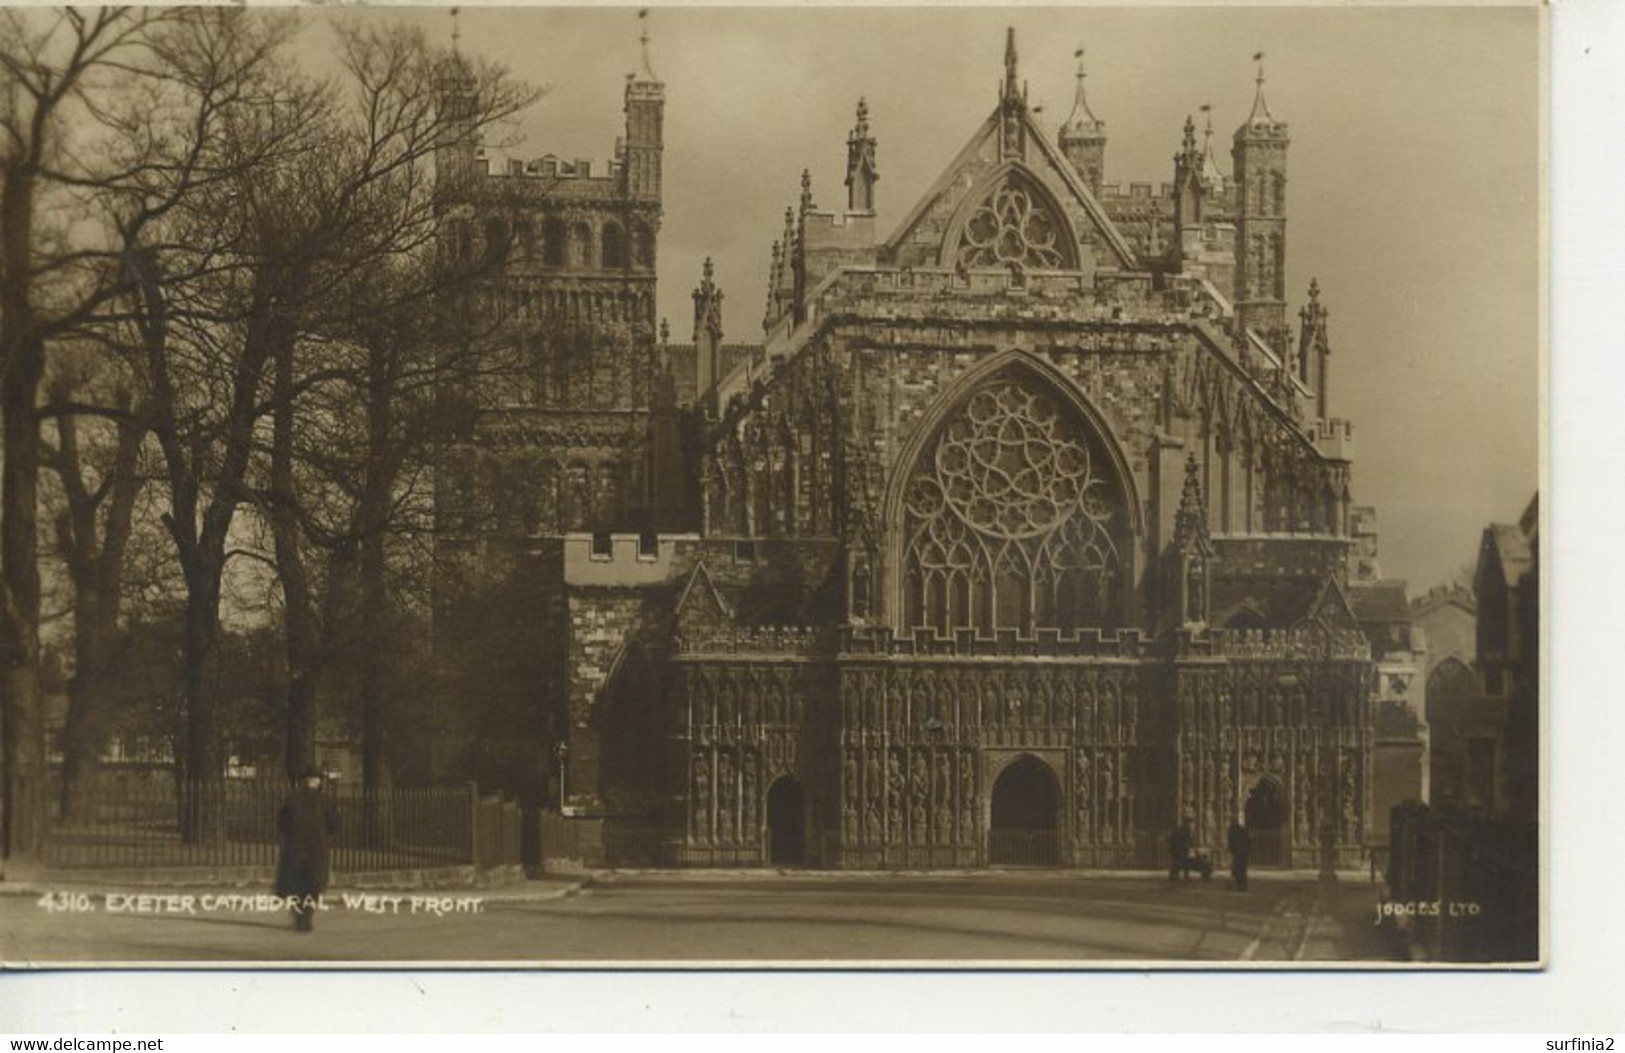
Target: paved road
{"points": [[812, 918]]}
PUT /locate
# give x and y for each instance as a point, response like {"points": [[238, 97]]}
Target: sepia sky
{"points": [[1414, 193]]}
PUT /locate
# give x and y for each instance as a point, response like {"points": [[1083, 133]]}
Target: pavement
{"points": [[696, 917]]}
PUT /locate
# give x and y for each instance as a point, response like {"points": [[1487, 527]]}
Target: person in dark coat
{"points": [[307, 821], [1179, 851], [1241, 850]]}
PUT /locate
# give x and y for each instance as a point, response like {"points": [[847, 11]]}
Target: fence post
{"points": [[474, 824]]}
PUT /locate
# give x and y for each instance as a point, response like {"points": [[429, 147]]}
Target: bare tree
{"points": [[96, 460], [66, 213]]}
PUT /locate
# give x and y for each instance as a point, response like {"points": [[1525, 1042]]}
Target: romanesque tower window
{"points": [[554, 243], [581, 245], [643, 246], [1009, 521], [1015, 228], [614, 256]]}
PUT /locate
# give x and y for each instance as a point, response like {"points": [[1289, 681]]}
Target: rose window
{"points": [[1008, 523], [1011, 229]]}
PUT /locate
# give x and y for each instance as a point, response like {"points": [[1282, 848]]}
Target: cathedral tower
{"points": [[1083, 138], [1259, 157], [645, 118]]}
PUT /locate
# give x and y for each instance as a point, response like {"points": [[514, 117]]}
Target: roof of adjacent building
{"points": [[1379, 601], [1511, 548], [1443, 596], [685, 366]]}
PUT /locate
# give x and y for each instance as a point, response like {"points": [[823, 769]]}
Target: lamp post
{"points": [[561, 750]]}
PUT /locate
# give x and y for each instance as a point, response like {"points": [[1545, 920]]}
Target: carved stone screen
{"points": [[1008, 520]]}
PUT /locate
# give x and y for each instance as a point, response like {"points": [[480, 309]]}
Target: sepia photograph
{"points": [[759, 487]]}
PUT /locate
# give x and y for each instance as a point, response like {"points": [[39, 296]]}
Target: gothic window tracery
{"points": [[1008, 523], [1014, 228]]}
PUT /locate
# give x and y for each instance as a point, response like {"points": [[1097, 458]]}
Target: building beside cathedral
{"points": [[1023, 531]]}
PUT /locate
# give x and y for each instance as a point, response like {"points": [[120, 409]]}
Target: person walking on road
{"points": [[1179, 851], [306, 823], [1241, 849]]}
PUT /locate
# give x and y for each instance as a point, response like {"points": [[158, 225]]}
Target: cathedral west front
{"points": [[1020, 533]]}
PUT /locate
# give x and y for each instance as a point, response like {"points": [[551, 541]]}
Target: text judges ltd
{"points": [[255, 903]]}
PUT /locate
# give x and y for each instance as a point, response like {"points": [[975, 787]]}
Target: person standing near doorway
{"points": [[1240, 843], [306, 823]]}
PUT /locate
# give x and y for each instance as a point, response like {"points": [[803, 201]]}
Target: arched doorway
{"points": [[1025, 827], [1265, 818], [786, 823]]}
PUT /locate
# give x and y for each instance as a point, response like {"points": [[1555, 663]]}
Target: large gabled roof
{"points": [[1041, 158]]}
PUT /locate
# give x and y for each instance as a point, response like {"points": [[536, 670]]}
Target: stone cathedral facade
{"points": [[1022, 533]]}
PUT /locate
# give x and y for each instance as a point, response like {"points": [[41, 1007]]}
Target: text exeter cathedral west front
{"points": [[1022, 532]]}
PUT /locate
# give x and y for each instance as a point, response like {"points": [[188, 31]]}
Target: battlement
{"points": [[1335, 437], [625, 560], [1136, 191], [749, 641], [1074, 295], [882, 641], [1294, 644]]}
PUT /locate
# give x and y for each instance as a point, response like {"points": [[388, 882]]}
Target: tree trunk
{"points": [[373, 518], [86, 730], [301, 627], [22, 697], [95, 558], [201, 765]]}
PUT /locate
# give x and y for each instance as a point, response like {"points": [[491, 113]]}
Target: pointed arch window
{"points": [[1016, 227], [1008, 522]]}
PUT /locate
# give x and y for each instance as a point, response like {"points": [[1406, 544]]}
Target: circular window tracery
{"points": [[1011, 229], [1007, 522]]}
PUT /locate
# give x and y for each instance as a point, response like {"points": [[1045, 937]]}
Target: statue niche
{"points": [[1009, 520]]}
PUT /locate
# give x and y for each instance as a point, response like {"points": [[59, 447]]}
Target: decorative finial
{"points": [[643, 42], [806, 191], [708, 271], [665, 331], [1081, 121], [1261, 111], [1314, 290], [456, 30], [862, 128], [1190, 521], [1010, 60]]}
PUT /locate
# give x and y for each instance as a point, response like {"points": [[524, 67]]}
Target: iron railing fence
{"points": [[233, 823], [1024, 848]]}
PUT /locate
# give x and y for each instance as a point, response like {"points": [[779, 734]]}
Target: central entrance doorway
{"points": [[1025, 828], [786, 823], [1265, 818]]}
